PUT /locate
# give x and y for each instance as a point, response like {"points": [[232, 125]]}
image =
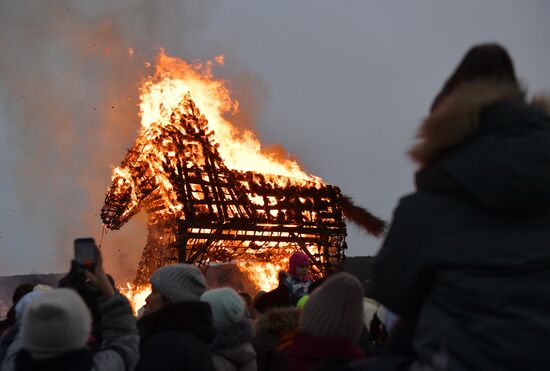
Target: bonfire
{"points": [[212, 195]]}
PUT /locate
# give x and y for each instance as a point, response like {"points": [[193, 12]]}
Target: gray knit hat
{"points": [[227, 306], [55, 322], [335, 309], [179, 282]]}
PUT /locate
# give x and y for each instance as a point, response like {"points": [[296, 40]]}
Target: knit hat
{"points": [[41, 287], [24, 301], [335, 309], [55, 322], [297, 259], [227, 306], [179, 282]]}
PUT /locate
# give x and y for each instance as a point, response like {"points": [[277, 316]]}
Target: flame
{"points": [[240, 149], [136, 295], [263, 275]]}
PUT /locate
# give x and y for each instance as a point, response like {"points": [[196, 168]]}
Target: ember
{"points": [[210, 193]]}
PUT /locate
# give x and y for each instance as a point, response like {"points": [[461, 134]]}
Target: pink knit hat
{"points": [[297, 259]]}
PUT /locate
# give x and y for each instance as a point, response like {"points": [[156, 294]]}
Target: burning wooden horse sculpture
{"points": [[201, 212]]}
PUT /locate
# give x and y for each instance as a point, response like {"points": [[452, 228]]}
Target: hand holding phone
{"points": [[88, 257], [99, 279], [86, 253]]}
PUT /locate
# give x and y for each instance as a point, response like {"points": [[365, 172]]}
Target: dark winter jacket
{"points": [[278, 297], [176, 338], [9, 321], [468, 254], [232, 350], [309, 352], [297, 287], [6, 339], [118, 351], [271, 327], [78, 360]]}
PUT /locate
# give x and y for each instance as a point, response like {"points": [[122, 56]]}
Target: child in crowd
{"points": [[298, 280]]}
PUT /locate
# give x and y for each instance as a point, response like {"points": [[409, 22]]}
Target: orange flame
{"points": [[136, 295], [240, 150], [264, 275]]}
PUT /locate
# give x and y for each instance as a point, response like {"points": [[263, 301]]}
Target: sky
{"points": [[342, 86]]}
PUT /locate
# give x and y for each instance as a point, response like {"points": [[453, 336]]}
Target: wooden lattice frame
{"points": [[225, 214]]}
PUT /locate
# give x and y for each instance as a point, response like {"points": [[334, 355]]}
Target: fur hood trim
{"points": [[279, 320], [457, 117], [237, 334]]}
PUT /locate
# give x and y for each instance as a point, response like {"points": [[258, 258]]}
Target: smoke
{"points": [[69, 91]]}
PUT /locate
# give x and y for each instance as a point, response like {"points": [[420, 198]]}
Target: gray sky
{"points": [[341, 85]]}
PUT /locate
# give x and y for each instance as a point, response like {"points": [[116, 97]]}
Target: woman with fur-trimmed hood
{"points": [[468, 254]]}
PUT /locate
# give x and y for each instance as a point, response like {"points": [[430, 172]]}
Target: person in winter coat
{"points": [[298, 281], [18, 293], [232, 350], [330, 326], [56, 325], [10, 326], [467, 255], [176, 328], [271, 327], [278, 297]]}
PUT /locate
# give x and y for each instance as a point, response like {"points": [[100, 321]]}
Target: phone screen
{"points": [[85, 252]]}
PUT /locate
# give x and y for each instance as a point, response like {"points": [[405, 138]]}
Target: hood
{"points": [[493, 144], [234, 335], [278, 321], [279, 297], [191, 316]]}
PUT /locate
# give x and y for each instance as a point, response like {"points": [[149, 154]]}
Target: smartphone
{"points": [[85, 253]]}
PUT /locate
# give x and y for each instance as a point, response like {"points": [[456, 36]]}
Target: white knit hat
{"points": [[24, 301], [335, 309], [55, 322], [227, 306], [41, 287], [179, 282]]}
